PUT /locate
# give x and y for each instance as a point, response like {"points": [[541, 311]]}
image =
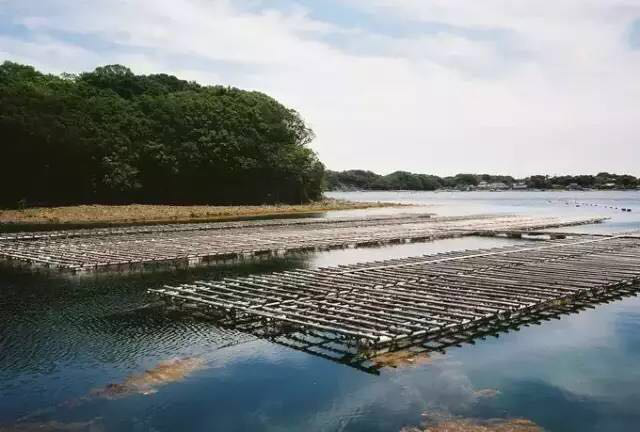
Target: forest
{"points": [[113, 137]]}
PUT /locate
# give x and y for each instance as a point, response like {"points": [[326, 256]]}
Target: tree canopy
{"points": [[111, 136]]}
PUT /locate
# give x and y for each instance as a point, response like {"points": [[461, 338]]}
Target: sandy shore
{"points": [[137, 213]]}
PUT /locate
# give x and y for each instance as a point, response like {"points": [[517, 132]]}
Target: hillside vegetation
{"points": [[402, 180], [113, 137]]}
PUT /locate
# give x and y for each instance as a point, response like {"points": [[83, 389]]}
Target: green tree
{"points": [[113, 136]]}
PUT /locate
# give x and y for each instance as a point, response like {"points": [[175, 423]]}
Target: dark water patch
{"points": [[72, 334], [627, 323], [557, 409], [571, 411]]}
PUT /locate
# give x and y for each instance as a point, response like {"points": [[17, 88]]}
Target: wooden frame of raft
{"points": [[391, 304], [124, 249]]}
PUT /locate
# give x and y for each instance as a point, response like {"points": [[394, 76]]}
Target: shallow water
{"points": [[61, 338], [575, 203]]}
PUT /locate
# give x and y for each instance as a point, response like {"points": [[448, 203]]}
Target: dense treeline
{"points": [[602, 180], [401, 180], [110, 136]]}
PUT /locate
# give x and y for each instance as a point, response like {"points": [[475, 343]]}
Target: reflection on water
{"points": [[62, 337]]}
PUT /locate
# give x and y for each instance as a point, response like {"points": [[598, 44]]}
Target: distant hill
{"points": [[402, 180]]}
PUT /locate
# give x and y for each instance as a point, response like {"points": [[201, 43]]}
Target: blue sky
{"points": [[438, 86]]}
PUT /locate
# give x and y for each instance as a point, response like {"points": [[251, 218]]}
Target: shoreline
{"points": [[98, 215]]}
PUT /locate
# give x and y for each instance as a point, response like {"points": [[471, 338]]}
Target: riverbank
{"points": [[101, 215]]}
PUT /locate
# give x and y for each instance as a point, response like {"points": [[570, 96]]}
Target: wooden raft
{"points": [[123, 248], [211, 226], [392, 304]]}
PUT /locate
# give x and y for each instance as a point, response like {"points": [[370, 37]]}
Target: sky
{"points": [[514, 87]]}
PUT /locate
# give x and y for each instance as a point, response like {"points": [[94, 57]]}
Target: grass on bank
{"points": [[138, 213]]}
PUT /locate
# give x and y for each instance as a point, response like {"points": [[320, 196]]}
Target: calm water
{"points": [[61, 338]]}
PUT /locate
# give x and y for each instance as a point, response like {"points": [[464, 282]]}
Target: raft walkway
{"points": [[432, 299], [192, 244]]}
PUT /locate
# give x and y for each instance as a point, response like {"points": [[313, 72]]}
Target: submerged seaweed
{"points": [[53, 426], [399, 359], [443, 421], [493, 425], [144, 383], [487, 393], [147, 382]]}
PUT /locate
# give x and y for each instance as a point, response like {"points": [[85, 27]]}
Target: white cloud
{"points": [[563, 96], [46, 53]]}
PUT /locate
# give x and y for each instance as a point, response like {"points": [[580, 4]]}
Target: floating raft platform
{"points": [[370, 360], [432, 301], [211, 226], [192, 244]]}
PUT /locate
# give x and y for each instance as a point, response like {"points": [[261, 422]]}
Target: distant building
{"points": [[498, 186], [483, 185], [519, 186], [574, 186]]}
